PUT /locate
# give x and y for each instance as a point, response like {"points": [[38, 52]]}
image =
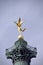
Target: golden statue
{"points": [[20, 30]]}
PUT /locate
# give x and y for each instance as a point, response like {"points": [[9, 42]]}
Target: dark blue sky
{"points": [[31, 12]]}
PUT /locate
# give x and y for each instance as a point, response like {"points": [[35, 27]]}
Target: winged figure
{"points": [[19, 24]]}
